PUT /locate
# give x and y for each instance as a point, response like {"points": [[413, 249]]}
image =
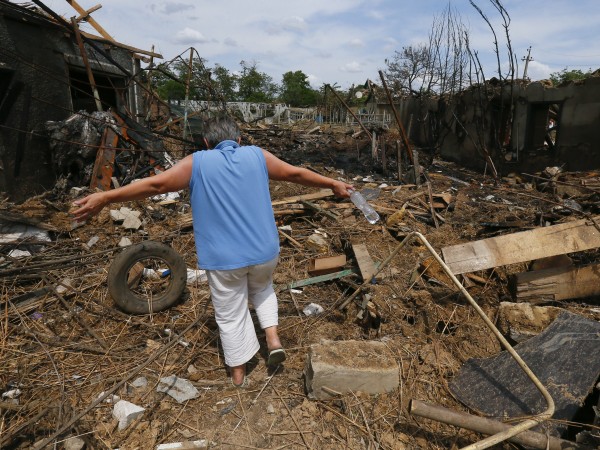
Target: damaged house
{"points": [[516, 126], [47, 70]]}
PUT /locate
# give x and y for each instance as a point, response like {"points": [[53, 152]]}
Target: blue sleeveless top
{"points": [[231, 207]]}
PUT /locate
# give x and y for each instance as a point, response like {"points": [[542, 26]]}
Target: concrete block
{"points": [[520, 321], [126, 412], [116, 215], [343, 366]]}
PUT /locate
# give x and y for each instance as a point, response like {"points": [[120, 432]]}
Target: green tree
{"points": [[167, 83], [566, 75], [296, 90], [225, 83], [255, 86]]}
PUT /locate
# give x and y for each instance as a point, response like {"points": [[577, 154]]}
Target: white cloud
{"points": [[391, 44], [356, 42], [313, 80], [187, 36], [377, 15], [294, 23], [230, 42], [352, 67], [537, 71], [175, 7]]}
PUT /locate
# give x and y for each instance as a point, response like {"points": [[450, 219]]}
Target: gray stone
{"points": [[140, 382], [74, 443], [334, 367], [178, 388]]}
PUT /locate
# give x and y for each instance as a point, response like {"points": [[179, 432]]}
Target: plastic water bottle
{"points": [[362, 204]]}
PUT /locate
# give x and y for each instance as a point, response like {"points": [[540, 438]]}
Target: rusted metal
{"points": [[105, 161]]}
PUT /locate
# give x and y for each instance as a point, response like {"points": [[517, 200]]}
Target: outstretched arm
{"points": [[174, 179], [281, 171]]}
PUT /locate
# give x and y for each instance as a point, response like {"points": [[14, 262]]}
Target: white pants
{"points": [[230, 291]]}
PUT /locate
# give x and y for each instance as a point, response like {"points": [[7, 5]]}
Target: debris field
{"points": [[77, 370]]}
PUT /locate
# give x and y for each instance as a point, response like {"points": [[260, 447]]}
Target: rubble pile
{"points": [[77, 367]]}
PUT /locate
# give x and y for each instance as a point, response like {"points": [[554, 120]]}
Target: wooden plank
{"points": [[90, 19], [559, 283], [521, 247], [300, 198], [105, 160], [365, 263]]}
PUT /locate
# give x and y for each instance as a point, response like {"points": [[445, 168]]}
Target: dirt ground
{"points": [[63, 351]]}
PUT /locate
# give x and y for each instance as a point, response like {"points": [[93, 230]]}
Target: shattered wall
{"points": [[524, 128], [40, 81]]}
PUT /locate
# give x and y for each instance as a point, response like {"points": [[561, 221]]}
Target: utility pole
{"points": [[526, 59]]}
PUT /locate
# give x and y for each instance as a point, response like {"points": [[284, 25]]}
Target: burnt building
{"points": [[44, 77]]}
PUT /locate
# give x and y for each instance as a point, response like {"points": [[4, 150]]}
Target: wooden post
{"points": [[383, 158], [399, 160], [187, 93], [398, 121], [416, 167], [86, 64], [374, 146]]}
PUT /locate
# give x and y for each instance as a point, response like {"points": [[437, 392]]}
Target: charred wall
{"points": [[41, 80], [524, 127]]}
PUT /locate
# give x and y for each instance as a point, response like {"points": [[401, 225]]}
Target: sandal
{"points": [[276, 357], [243, 385]]}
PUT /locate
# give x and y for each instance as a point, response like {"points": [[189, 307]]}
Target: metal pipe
{"points": [[489, 426], [516, 429]]}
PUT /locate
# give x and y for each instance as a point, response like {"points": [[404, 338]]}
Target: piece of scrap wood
{"points": [[322, 266], [299, 198], [523, 246], [559, 283], [566, 359], [364, 261]]}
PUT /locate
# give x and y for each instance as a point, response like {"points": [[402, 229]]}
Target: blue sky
{"points": [[346, 41]]}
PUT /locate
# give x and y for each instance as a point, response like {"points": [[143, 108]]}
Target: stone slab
{"points": [[349, 366]]}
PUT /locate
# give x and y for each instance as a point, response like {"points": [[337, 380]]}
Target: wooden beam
{"points": [[77, 7], [521, 247], [364, 261], [119, 44], [86, 63], [559, 283], [300, 198], [86, 14]]}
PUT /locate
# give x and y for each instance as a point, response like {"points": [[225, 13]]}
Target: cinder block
{"points": [[344, 366]]}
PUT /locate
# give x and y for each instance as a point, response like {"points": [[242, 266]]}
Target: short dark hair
{"points": [[218, 129]]}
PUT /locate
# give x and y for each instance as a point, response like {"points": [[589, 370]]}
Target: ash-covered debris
{"points": [[74, 143]]}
